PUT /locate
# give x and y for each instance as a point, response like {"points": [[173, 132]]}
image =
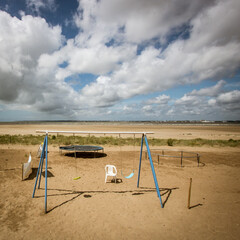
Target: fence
{"points": [[176, 156]]}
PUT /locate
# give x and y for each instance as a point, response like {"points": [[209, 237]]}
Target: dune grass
{"points": [[113, 141]]}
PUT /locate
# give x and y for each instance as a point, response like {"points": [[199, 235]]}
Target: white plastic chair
{"points": [[111, 171]]}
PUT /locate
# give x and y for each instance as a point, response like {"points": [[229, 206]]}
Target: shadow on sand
{"points": [[194, 206], [34, 174], [85, 154], [89, 194]]}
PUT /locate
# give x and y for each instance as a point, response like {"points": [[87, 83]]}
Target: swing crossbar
{"points": [[90, 132]]}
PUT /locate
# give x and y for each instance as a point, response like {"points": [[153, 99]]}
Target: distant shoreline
{"points": [[69, 122]]}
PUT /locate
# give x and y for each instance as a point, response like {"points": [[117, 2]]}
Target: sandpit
{"points": [[89, 208]]}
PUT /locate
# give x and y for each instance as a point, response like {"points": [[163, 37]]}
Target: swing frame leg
{"points": [[144, 136], [44, 154], [39, 171], [140, 162]]}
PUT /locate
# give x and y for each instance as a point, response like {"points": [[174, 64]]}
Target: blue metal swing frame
{"points": [[44, 155], [144, 137]]}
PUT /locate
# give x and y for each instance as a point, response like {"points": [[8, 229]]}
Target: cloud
{"points": [[123, 20], [198, 102], [229, 100], [211, 91], [216, 26], [99, 59], [205, 54], [194, 104], [146, 20], [230, 97], [162, 99], [23, 41], [226, 105], [132, 48], [187, 100]]}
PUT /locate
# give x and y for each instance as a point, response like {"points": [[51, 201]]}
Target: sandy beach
{"points": [[162, 131], [89, 208]]}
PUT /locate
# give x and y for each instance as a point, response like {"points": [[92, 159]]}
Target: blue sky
{"points": [[119, 60]]}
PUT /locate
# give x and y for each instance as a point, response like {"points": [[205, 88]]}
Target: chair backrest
{"points": [[110, 169]]}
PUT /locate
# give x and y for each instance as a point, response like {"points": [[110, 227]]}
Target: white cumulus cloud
{"points": [[132, 48]]}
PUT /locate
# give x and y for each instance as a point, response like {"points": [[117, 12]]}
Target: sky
{"points": [[119, 60]]}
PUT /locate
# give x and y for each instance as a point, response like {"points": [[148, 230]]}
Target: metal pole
{"points": [[40, 163], [41, 167], [140, 161], [153, 171], [46, 163]]}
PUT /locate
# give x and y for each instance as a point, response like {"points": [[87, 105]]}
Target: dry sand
{"points": [[89, 208], [161, 131]]}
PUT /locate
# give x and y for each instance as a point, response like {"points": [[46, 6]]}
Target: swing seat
{"points": [[110, 171], [129, 176]]}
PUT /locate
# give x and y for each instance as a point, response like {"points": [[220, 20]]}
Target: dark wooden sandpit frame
{"points": [[173, 153]]}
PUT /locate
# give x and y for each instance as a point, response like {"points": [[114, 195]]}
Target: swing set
{"points": [[132, 173], [44, 155]]}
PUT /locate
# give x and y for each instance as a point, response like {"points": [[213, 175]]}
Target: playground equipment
{"points": [[129, 176], [44, 155], [82, 148], [132, 173]]}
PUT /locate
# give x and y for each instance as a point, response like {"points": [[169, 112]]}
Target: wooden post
{"points": [[189, 193], [181, 157]]}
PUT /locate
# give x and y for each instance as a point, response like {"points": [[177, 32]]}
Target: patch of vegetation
{"points": [[170, 142], [112, 141]]}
